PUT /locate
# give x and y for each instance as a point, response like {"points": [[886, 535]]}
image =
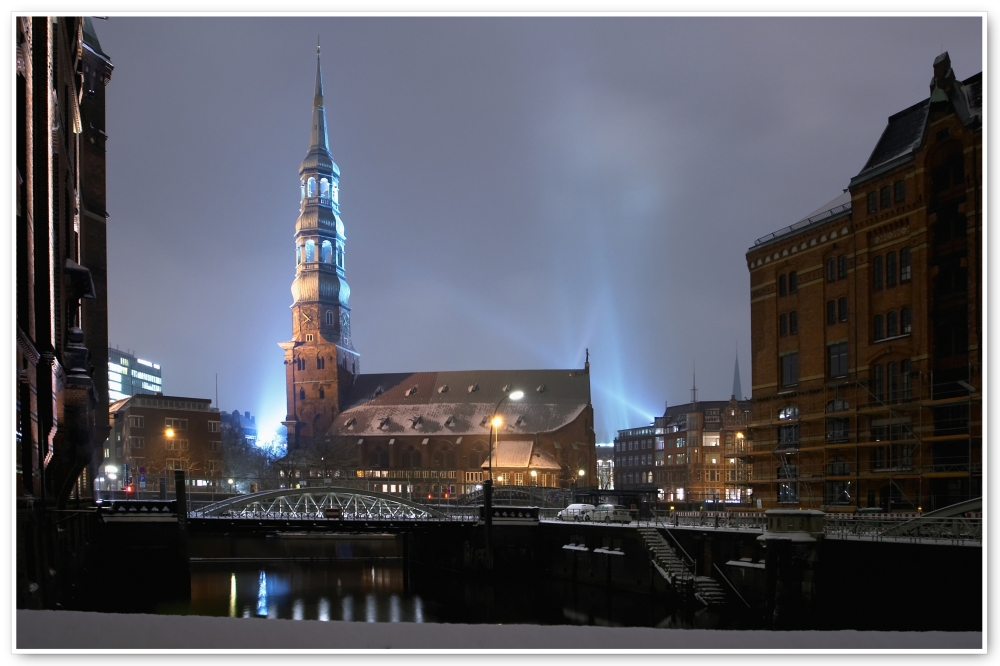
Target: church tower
{"points": [[320, 361]]}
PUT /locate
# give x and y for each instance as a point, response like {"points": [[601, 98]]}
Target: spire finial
{"points": [[317, 44]]}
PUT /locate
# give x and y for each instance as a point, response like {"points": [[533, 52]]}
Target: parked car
{"points": [[611, 513], [576, 512]]}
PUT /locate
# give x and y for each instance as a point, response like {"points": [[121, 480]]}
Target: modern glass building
{"points": [[130, 375]]}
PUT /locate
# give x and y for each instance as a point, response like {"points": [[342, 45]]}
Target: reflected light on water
{"points": [[394, 609], [232, 596], [418, 609], [262, 594], [371, 612], [298, 610], [324, 609], [348, 608]]}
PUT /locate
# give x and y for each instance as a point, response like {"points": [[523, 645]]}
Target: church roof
{"points": [[460, 403]]}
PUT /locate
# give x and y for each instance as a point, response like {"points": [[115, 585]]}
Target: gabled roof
{"points": [[460, 403], [521, 455], [904, 132]]}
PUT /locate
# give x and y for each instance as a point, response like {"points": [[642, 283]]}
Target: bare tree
{"points": [[248, 465]]}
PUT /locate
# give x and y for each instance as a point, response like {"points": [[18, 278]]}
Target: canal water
{"points": [[378, 592]]}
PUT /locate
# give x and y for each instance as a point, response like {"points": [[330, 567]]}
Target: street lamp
{"points": [[231, 486], [495, 423], [534, 476]]}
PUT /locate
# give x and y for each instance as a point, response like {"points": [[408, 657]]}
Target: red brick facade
{"points": [[866, 326]]}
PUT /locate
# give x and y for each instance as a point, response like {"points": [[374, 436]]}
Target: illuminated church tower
{"points": [[320, 361]]}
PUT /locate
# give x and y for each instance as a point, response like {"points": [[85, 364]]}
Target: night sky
{"points": [[514, 190]]}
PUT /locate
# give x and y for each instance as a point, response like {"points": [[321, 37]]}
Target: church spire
{"points": [[319, 142]]}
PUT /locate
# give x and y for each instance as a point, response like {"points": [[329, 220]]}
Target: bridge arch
{"points": [[310, 503]]}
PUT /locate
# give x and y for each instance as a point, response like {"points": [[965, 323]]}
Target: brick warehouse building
{"points": [[160, 434], [866, 322], [427, 426], [61, 394]]}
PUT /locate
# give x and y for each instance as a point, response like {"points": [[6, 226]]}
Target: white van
{"points": [[576, 512]]}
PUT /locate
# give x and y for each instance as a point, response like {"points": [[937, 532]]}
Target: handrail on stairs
{"points": [[688, 560], [730, 584]]}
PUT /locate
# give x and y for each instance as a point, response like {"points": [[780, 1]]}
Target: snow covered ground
{"points": [[73, 631]]}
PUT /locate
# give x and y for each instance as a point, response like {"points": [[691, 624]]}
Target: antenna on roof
{"points": [[694, 383]]}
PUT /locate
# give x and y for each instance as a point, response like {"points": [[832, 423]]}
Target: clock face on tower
{"points": [[345, 323]]}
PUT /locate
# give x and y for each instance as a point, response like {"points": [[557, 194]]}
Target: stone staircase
{"points": [[678, 574]]}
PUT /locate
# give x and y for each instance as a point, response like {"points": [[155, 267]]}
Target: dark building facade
{"points": [[866, 323], [415, 433], [61, 256], [61, 279]]}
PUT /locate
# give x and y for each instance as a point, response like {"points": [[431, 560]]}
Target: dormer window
{"points": [[410, 391], [351, 422], [450, 421], [443, 388], [473, 388], [541, 388], [383, 424], [415, 421]]}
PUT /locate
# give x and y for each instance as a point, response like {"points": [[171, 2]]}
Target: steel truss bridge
{"points": [[334, 504]]}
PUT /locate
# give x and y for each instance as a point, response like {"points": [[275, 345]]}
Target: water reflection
{"points": [[362, 593], [262, 594], [348, 607], [324, 609]]}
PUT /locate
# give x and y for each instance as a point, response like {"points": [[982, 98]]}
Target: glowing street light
{"points": [[495, 423], [534, 475]]}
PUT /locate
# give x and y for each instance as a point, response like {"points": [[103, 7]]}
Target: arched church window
{"points": [[302, 189], [321, 393], [302, 394], [336, 192], [326, 254], [329, 317], [340, 256], [298, 255], [324, 188], [311, 187], [310, 251]]}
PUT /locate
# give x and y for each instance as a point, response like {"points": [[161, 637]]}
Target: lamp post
{"points": [[495, 423]]}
